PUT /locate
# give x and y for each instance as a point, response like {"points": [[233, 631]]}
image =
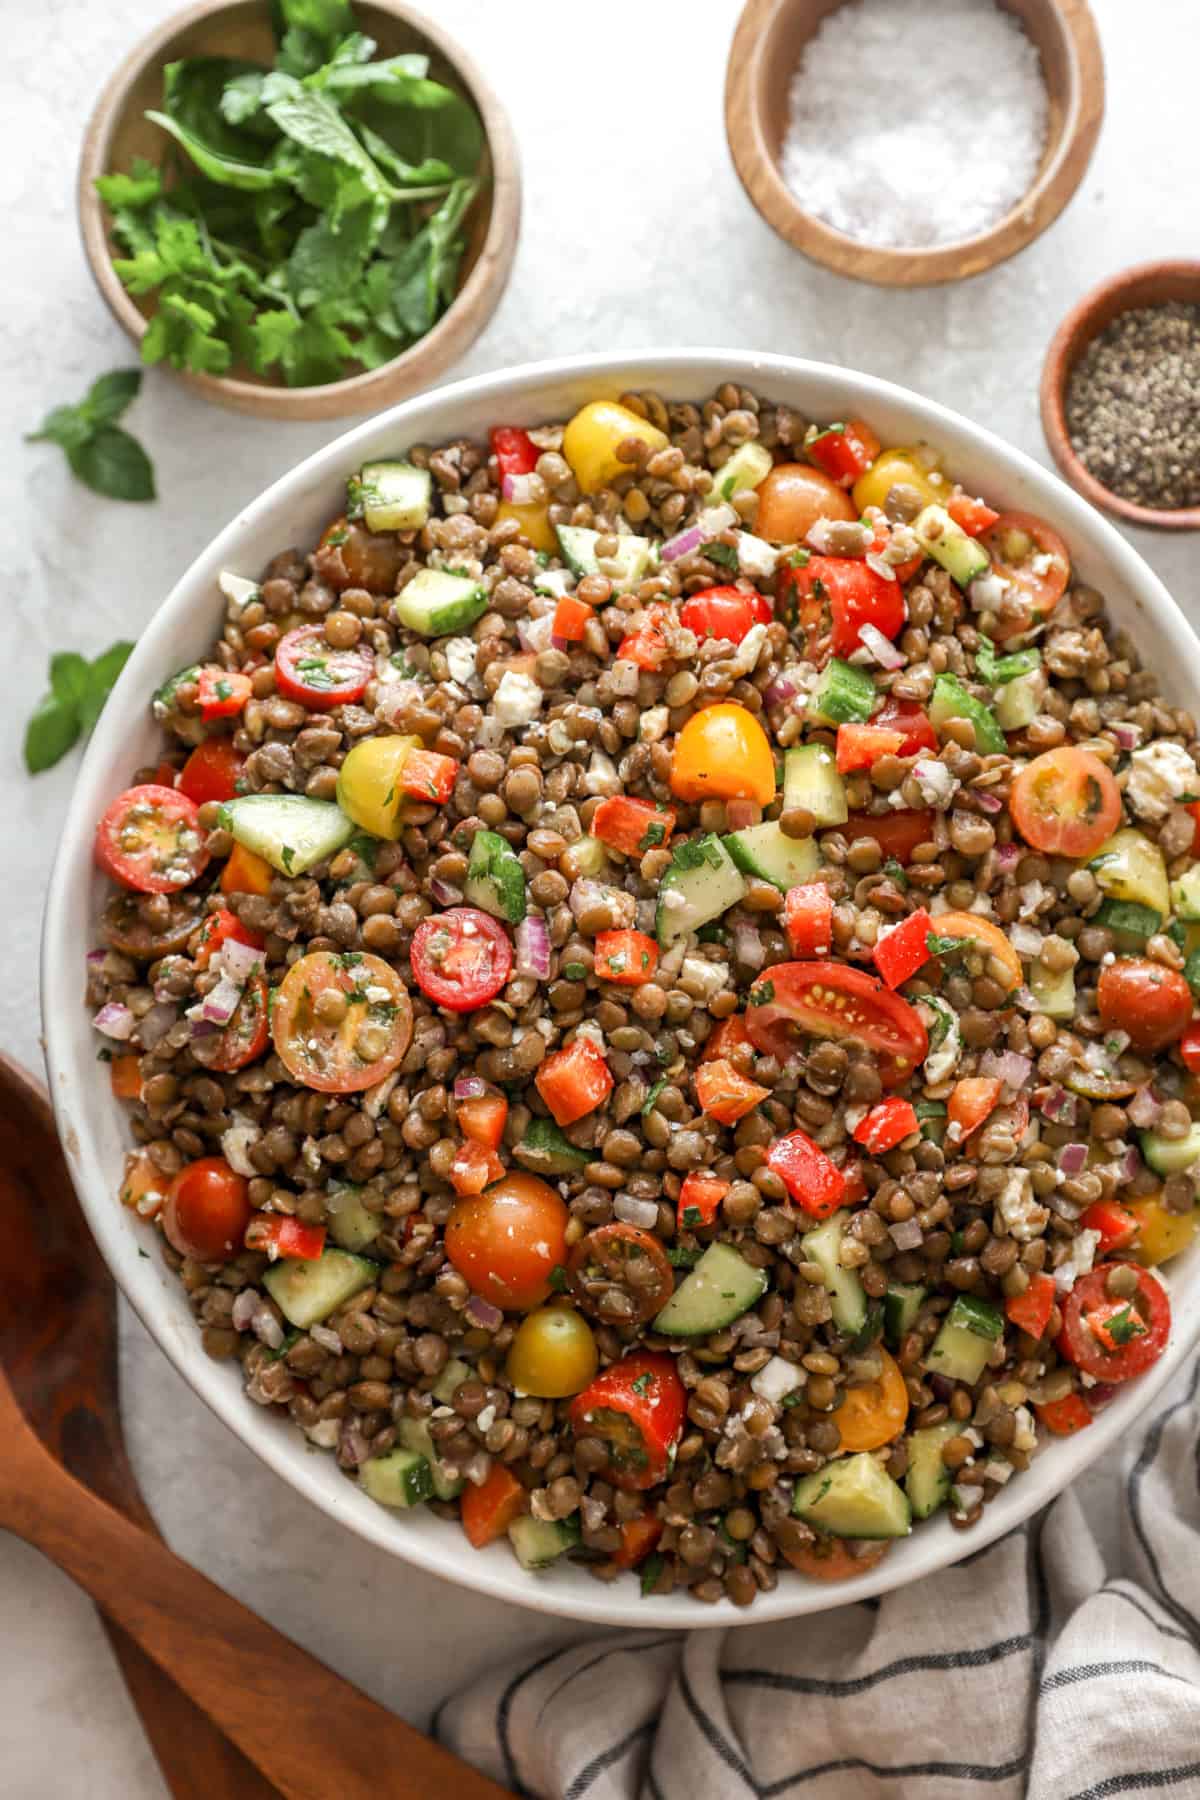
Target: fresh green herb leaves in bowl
{"points": [[306, 209]]}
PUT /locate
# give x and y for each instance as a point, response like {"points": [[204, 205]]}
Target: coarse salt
{"points": [[913, 125]]}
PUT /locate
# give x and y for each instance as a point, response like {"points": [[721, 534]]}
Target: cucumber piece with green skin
{"points": [[351, 1226], [630, 563], [811, 780], [540, 1542], [766, 851], [702, 882], [853, 1497], [721, 1287], [450, 1380], [307, 1292], [952, 701], [1169, 1156], [578, 547], [964, 1342], [164, 697], [843, 695], [399, 1478], [901, 1304], [392, 496], [414, 1435], [437, 603], [847, 1297], [548, 1151], [1185, 894], [962, 557], [495, 879], [927, 1481], [1019, 701], [1054, 990], [748, 467], [1127, 866], [1128, 917], [289, 831]]}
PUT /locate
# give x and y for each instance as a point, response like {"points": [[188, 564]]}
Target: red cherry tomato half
{"points": [[911, 721], [341, 1023], [1189, 1047], [212, 771], [508, 1241], [245, 1037], [793, 1001], [223, 927], [896, 833], [151, 839], [461, 958], [1152, 1003], [1098, 1340], [1030, 554], [636, 1408], [625, 1260], [1065, 802], [724, 612], [207, 1211], [836, 1559], [311, 672], [835, 596]]}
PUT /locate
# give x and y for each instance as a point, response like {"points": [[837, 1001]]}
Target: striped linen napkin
{"points": [[1029, 1669]]}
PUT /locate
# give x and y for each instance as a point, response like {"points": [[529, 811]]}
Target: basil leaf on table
{"points": [[101, 453], [78, 690]]}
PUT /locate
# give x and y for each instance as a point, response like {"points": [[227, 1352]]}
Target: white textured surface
{"points": [[667, 250]]}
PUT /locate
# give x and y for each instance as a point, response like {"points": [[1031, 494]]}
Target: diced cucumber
{"points": [[964, 1342], [1053, 989], [721, 1287], [1168, 1156], [1127, 917], [843, 695], [811, 780], [414, 1435], [495, 879], [846, 1295], [351, 1226], [307, 1292], [962, 557], [1019, 702], [548, 1151], [1185, 894], [629, 564], [164, 697], [767, 851], [933, 1117], [952, 701], [927, 1482], [290, 831], [455, 1372], [540, 1542], [391, 496], [1127, 866], [853, 1497], [578, 547], [748, 467], [436, 603], [702, 882], [901, 1304], [398, 1478]]}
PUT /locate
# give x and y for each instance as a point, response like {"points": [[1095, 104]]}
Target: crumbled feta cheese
{"points": [[938, 786], [945, 1039], [1159, 775], [310, 1155], [1079, 1262], [601, 776], [755, 557], [652, 726], [974, 1437], [1042, 563], [999, 1472], [748, 651], [518, 699], [460, 658], [236, 589], [378, 995], [1031, 896], [1021, 1215], [377, 1097], [987, 592], [1025, 1436], [236, 1142], [485, 1418], [982, 904], [537, 634], [554, 582], [709, 977], [776, 1379], [588, 1028]]}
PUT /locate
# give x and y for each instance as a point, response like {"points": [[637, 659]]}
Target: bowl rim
{"points": [[914, 266], [451, 335], [1134, 287], [70, 1064]]}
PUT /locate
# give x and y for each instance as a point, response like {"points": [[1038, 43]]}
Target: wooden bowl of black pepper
{"points": [[1121, 396]]}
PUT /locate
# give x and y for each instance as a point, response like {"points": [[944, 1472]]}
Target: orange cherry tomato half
{"points": [[1030, 554], [1152, 1003], [872, 1413], [723, 753], [207, 1211], [797, 1000], [836, 1559], [341, 1023], [151, 840], [508, 1241], [791, 500], [621, 1274], [1065, 802], [987, 936]]}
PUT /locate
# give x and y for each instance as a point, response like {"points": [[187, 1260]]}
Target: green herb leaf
{"points": [[651, 1100], [113, 463], [946, 946], [652, 1568], [226, 171], [138, 188], [725, 554], [78, 690]]}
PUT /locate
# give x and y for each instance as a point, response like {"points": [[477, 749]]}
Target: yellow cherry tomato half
{"points": [[368, 786], [872, 1413], [553, 1354], [989, 939], [534, 522], [591, 440], [914, 468], [1161, 1234], [722, 753]]}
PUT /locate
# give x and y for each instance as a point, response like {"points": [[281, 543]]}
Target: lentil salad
{"points": [[829, 1277]]}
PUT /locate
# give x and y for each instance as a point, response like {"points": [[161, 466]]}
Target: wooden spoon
{"points": [[311, 1733]]}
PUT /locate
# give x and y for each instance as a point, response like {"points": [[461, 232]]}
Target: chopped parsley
{"points": [[574, 971], [651, 1570], [558, 1278], [1124, 1326], [653, 836], [717, 552], [651, 1100], [644, 1383], [680, 1257], [946, 946], [762, 995], [692, 1216], [895, 872]]}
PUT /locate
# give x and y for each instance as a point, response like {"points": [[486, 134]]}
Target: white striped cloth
{"points": [[1030, 1669]]}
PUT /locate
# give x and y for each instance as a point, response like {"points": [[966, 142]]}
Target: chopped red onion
{"points": [[1072, 1158], [266, 1327], [1013, 1069], [748, 946], [1116, 1043], [444, 892], [1026, 1000], [155, 1024], [1025, 940], [219, 1006], [536, 634], [988, 802], [716, 519], [1057, 1104], [353, 1448], [584, 893], [533, 947], [115, 1020], [1127, 736], [906, 1235], [521, 490], [682, 544], [244, 1309], [200, 1028], [469, 1087], [741, 814], [95, 958], [561, 643], [592, 1512], [241, 961], [327, 1337], [881, 648], [1007, 857], [780, 692], [1131, 1163], [1144, 1108], [482, 1313], [1103, 1394], [635, 1212]]}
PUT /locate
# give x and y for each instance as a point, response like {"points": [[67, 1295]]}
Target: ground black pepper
{"points": [[1133, 406]]}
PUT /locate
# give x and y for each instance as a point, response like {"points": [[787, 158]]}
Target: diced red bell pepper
{"points": [[1116, 1224], [474, 1168], [488, 1511], [911, 721], [886, 1125], [724, 1094], [632, 826], [856, 1183], [730, 1034], [1115, 1323], [428, 776], [638, 1538], [814, 1182], [1189, 1047], [647, 646], [1193, 806], [629, 958], [858, 746], [1031, 1310], [246, 872], [971, 515], [808, 919], [211, 772], [571, 619], [125, 1073], [482, 1119], [699, 1198], [901, 952], [575, 1081], [514, 450], [896, 833], [222, 692], [845, 451], [281, 1235], [903, 571], [835, 596], [1066, 1416], [971, 1100], [223, 927]]}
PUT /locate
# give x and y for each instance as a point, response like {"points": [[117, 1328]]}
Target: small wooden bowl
{"points": [[118, 131], [767, 47], [1150, 284]]}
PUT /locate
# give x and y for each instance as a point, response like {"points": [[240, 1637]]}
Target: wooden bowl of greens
{"points": [[307, 208]]}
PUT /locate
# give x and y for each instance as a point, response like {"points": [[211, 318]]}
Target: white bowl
{"points": [[93, 1127]]}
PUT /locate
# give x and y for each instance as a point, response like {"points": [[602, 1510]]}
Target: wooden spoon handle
{"points": [[306, 1729]]}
